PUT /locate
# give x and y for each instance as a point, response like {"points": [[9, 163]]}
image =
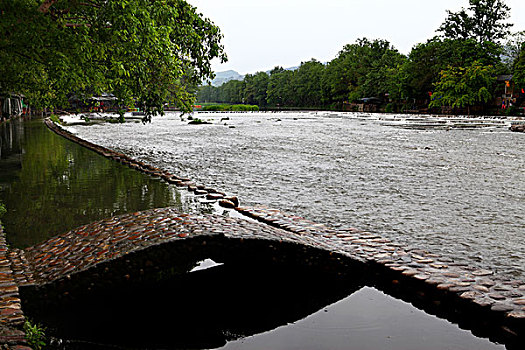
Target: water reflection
{"points": [[208, 293], [251, 306], [50, 185], [366, 320]]}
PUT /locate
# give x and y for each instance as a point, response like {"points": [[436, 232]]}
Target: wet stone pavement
{"points": [[11, 315], [87, 249]]}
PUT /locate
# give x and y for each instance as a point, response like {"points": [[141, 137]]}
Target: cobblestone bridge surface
{"points": [[137, 246]]}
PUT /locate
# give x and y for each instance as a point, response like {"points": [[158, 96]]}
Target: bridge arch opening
{"points": [[156, 298]]}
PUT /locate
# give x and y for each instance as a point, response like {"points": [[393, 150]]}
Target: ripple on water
{"points": [[459, 193]]}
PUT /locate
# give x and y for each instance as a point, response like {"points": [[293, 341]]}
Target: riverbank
{"points": [[12, 335]]}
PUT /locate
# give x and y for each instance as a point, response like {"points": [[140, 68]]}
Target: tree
{"points": [[256, 86], [464, 87], [231, 92], [519, 68], [427, 60], [145, 52], [281, 91], [484, 21], [359, 69], [512, 49], [378, 79], [306, 83], [207, 93]]}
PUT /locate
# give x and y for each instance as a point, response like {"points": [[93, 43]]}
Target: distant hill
{"points": [[226, 76]]}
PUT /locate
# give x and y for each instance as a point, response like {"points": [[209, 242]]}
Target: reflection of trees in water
{"points": [[62, 185], [11, 134]]}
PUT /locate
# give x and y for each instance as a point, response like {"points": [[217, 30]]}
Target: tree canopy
{"points": [[484, 21], [458, 68], [464, 87], [145, 52]]}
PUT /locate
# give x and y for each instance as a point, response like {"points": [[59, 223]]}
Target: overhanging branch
{"points": [[44, 8]]}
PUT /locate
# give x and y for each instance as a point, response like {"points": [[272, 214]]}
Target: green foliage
{"points": [[255, 89], [365, 69], [427, 60], [281, 90], [144, 51], [244, 108], [217, 107], [464, 86], [35, 335], [55, 119], [228, 107], [374, 68], [197, 121], [362, 70], [484, 20], [512, 49], [306, 83], [519, 68], [3, 210]]}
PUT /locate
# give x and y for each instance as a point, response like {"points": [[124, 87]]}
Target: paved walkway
{"points": [[11, 315]]}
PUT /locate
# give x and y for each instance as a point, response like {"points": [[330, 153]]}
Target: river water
{"points": [[51, 185], [459, 193]]}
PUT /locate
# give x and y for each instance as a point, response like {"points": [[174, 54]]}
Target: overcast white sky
{"points": [[262, 34]]}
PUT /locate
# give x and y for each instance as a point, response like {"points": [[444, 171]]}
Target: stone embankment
{"points": [[138, 246], [11, 315]]}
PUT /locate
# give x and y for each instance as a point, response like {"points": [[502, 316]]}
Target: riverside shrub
{"points": [[227, 107]]}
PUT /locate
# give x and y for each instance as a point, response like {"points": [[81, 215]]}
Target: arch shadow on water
{"points": [[158, 299]]}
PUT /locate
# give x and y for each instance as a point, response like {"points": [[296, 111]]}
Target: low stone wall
{"points": [[517, 127], [145, 247], [11, 315]]}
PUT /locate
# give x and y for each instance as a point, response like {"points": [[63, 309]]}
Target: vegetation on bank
{"points": [[35, 335], [56, 119], [472, 47], [228, 107], [3, 210]]}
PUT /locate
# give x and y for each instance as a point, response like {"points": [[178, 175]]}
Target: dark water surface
{"points": [[255, 307], [366, 320], [50, 185], [458, 193]]}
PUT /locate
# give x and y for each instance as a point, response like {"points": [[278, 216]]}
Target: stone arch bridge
{"points": [[147, 247]]}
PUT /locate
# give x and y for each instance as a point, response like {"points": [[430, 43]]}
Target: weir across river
{"points": [[146, 247]]}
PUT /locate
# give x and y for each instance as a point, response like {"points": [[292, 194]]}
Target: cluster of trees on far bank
{"points": [[458, 68]]}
